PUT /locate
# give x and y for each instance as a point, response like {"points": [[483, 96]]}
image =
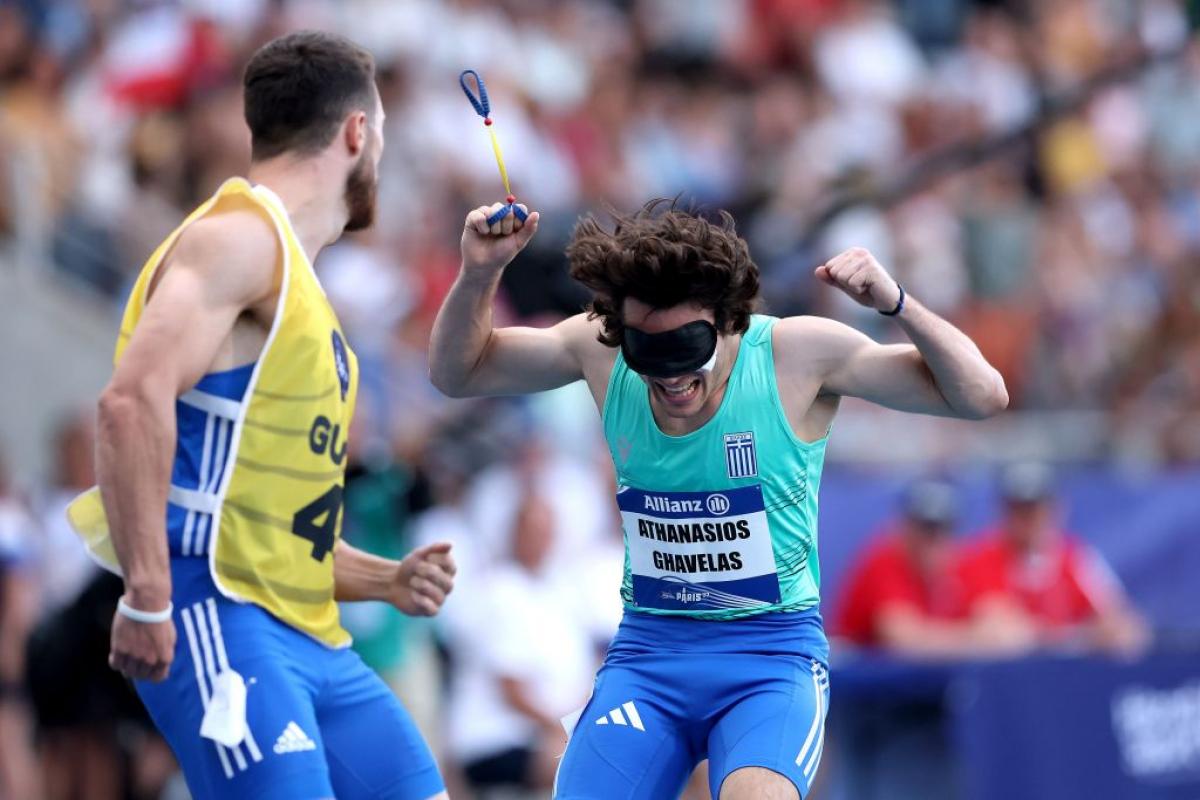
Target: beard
{"points": [[360, 196]]}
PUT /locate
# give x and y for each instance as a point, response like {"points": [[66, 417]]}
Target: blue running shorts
{"points": [[321, 723], [673, 691]]}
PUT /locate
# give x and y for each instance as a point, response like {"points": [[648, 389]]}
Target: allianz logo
{"points": [[717, 504]]}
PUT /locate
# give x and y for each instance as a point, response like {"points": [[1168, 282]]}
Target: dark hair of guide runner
{"points": [[299, 88]]}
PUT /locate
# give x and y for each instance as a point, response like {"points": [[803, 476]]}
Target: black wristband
{"points": [[899, 304]]}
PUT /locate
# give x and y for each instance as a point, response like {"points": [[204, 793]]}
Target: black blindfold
{"points": [[678, 351]]}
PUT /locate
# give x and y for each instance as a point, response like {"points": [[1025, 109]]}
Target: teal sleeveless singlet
{"points": [[720, 523]]}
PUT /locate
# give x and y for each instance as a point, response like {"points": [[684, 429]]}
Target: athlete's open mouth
{"points": [[679, 394]]}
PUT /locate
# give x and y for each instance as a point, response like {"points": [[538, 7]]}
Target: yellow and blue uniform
{"points": [[721, 653], [253, 515]]}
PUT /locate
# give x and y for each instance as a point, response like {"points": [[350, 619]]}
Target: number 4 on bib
{"points": [[317, 522]]}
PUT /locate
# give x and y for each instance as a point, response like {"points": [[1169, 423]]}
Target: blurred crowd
{"points": [[1067, 250]]}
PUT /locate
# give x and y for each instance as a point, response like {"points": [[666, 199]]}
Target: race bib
{"points": [[699, 551]]}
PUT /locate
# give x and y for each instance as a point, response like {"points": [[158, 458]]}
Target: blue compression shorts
{"points": [[321, 723], [673, 691]]}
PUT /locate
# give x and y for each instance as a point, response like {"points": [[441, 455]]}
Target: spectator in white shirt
{"points": [[529, 663]]}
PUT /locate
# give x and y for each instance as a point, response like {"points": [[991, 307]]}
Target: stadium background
{"points": [[1031, 170]]}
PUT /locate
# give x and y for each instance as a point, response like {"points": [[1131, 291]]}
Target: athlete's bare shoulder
{"points": [[582, 338], [812, 346], [210, 301], [234, 250], [807, 349]]}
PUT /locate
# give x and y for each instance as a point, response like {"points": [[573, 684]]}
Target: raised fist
{"points": [[489, 248], [858, 274]]}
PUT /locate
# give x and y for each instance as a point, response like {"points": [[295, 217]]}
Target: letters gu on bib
{"points": [[719, 523]]}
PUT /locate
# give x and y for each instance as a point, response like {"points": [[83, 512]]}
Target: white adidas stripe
{"points": [[190, 631], [189, 525], [816, 723], [208, 483], [207, 467], [810, 769], [192, 499], [223, 662], [812, 758], [211, 403], [211, 669], [203, 524], [630, 717], [216, 450], [218, 460], [205, 447], [635, 719]]}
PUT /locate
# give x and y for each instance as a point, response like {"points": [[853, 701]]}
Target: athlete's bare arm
{"points": [[468, 357], [418, 585], [221, 267], [942, 372]]}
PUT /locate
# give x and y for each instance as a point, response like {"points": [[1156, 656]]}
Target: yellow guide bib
{"points": [[276, 510]]}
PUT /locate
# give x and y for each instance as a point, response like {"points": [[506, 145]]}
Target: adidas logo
{"points": [[293, 740], [630, 717]]}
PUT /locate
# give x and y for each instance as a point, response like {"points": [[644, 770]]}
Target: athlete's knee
{"points": [[757, 783]]}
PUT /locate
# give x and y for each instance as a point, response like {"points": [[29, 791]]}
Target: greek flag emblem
{"points": [[740, 458]]}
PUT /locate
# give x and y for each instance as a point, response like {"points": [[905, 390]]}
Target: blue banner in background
{"points": [[1059, 729], [1146, 524], [1046, 727]]}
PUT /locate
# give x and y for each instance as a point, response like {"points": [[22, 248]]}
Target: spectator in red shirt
{"points": [[1029, 568], [904, 596]]}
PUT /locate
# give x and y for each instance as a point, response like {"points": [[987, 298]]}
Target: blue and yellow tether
{"points": [[483, 108]]}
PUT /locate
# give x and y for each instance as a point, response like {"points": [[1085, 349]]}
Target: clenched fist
{"points": [[858, 274], [488, 249], [423, 579]]}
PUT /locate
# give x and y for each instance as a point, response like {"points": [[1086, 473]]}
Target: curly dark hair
{"points": [[664, 258]]}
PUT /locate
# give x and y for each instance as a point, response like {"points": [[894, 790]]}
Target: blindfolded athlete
{"points": [[717, 420]]}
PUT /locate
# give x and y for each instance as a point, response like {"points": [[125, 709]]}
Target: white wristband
{"points": [[144, 616]]}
